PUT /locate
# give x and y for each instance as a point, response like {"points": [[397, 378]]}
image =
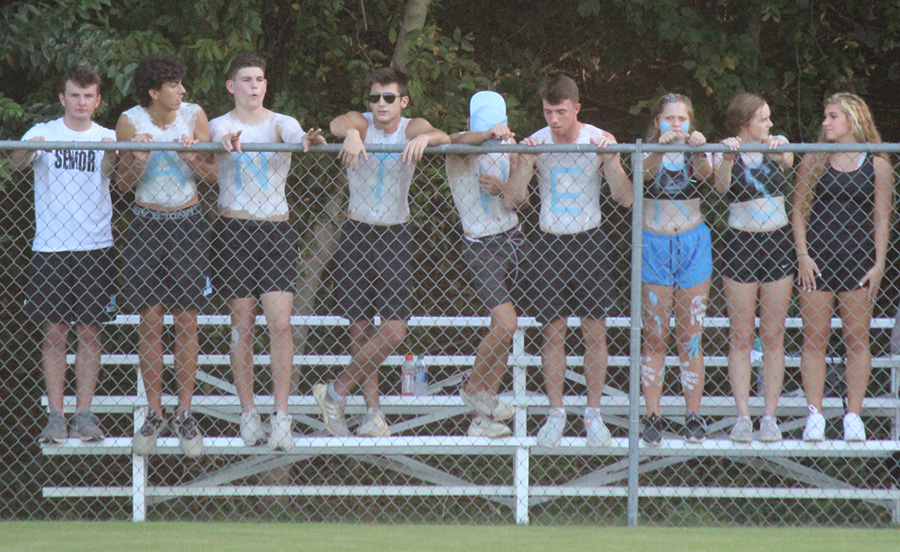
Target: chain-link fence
{"points": [[441, 462]]}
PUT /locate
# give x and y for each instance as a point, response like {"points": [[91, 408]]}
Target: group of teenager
{"points": [[833, 245]]}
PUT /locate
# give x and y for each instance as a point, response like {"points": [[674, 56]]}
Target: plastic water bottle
{"points": [[407, 376], [420, 381], [756, 357]]}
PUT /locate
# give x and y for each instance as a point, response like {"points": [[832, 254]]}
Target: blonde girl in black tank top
{"points": [[834, 253]]}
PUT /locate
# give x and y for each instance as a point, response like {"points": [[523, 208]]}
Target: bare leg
{"points": [[277, 307], [187, 348], [553, 360], [656, 310], [363, 368], [492, 355], [150, 354], [690, 312], [596, 358], [774, 300], [243, 319], [741, 298], [816, 308], [361, 331], [856, 315], [87, 364], [53, 361]]}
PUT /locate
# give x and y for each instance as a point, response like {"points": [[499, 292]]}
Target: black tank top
{"points": [[844, 201], [674, 183], [755, 181]]}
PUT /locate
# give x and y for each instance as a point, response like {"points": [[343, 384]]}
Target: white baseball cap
{"points": [[486, 109]]}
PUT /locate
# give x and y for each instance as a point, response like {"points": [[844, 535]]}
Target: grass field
{"points": [[131, 537]]}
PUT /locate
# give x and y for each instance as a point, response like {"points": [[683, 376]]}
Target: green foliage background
{"points": [[623, 53]]}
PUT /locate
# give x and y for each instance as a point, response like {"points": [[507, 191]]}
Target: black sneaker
{"points": [[652, 434], [694, 428]]}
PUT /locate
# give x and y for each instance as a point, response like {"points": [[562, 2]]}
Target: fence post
{"points": [[521, 469], [138, 473], [634, 380]]}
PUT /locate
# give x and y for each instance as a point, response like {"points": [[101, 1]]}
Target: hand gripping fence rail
{"points": [[640, 269]]}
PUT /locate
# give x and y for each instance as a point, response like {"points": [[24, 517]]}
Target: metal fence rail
{"points": [[429, 469]]}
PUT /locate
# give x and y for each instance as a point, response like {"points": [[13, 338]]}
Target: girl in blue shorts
{"points": [[677, 264]]}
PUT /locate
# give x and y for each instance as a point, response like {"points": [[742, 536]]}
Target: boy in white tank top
{"points": [[167, 239], [494, 248], [571, 271], [374, 258], [72, 268], [257, 247]]}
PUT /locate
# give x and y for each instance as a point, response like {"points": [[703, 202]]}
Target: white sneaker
{"points": [[189, 437], [552, 431], [252, 431], [282, 437], [482, 426], [854, 429], [815, 426], [598, 434], [768, 430], [742, 431], [487, 404], [332, 411], [374, 425], [144, 442]]}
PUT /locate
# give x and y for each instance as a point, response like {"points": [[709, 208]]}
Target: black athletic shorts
{"points": [[758, 256], [572, 275], [373, 273], [497, 263], [72, 287], [253, 257], [165, 259], [843, 257]]}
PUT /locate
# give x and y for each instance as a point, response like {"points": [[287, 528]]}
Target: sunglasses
{"points": [[389, 97]]}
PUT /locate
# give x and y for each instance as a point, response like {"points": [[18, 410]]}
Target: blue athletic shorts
{"points": [[682, 260]]}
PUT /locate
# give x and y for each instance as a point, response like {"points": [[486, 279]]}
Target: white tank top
{"points": [[481, 214], [167, 180], [379, 187], [570, 185], [252, 184]]}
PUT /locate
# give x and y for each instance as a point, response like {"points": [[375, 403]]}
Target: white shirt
{"points": [[168, 181], [72, 206], [252, 184], [570, 185], [379, 187], [481, 214]]}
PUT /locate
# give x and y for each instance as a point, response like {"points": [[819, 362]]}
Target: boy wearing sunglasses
{"points": [[257, 247], [374, 259]]}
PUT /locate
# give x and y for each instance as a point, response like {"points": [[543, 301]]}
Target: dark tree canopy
{"points": [[623, 53]]}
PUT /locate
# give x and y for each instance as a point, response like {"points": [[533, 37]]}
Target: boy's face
{"points": [[384, 111], [248, 87], [169, 95], [561, 117], [79, 103]]}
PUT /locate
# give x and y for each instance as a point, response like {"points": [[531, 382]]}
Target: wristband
{"points": [[728, 157]]}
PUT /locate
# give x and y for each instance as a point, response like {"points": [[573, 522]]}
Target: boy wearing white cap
{"points": [[494, 249]]}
